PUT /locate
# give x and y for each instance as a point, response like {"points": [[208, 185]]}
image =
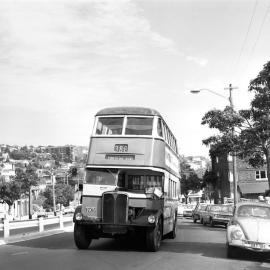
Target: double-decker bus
{"points": [[132, 178]]}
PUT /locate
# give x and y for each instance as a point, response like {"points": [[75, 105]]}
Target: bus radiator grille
{"points": [[115, 208]]}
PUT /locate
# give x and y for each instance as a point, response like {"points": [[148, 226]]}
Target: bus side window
{"points": [[159, 128]]}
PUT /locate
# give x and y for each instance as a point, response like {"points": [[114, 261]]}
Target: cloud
{"points": [[198, 60], [52, 50]]}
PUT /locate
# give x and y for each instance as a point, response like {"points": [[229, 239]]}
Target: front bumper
{"points": [[251, 245]]}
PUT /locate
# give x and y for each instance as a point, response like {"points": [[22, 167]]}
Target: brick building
{"points": [[251, 182]]}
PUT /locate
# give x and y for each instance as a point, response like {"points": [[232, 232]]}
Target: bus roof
{"points": [[128, 111]]}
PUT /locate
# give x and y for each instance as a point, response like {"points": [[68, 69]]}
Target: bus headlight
{"points": [[78, 216], [151, 219]]}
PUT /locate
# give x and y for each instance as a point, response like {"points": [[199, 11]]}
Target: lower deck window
{"points": [[141, 182]]}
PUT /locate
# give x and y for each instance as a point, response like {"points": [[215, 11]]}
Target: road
{"points": [[196, 247]]}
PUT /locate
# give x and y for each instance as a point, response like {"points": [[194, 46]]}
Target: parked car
{"points": [[69, 210], [180, 210], [217, 214], [249, 229], [40, 213], [188, 209], [198, 212]]}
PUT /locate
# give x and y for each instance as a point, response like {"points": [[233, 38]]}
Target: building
{"points": [[198, 163], [251, 182], [7, 171], [62, 153]]}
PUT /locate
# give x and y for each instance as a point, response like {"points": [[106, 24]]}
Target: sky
{"points": [[62, 61]]}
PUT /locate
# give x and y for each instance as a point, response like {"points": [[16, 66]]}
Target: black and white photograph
{"points": [[135, 134]]}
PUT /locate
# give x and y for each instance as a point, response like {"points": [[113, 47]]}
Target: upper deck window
{"points": [[139, 126], [159, 128], [109, 126]]}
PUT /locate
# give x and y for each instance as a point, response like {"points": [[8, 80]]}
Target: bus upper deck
{"points": [[134, 137]]}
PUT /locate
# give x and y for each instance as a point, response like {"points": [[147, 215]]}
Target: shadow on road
{"points": [[65, 242], [196, 226], [216, 250]]}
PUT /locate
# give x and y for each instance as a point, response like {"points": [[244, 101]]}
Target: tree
{"points": [[189, 179], [26, 180], [251, 137], [190, 183], [9, 193], [210, 183], [18, 155], [256, 138], [63, 195], [20, 185]]}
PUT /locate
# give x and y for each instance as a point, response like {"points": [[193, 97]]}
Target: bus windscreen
{"points": [[109, 126], [139, 126], [101, 177]]}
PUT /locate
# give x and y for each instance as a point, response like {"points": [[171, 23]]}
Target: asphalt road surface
{"points": [[196, 247]]}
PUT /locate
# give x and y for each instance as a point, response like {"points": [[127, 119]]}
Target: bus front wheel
{"points": [[81, 238], [153, 237]]}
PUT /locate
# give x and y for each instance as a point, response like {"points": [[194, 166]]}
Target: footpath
{"points": [[20, 233]]}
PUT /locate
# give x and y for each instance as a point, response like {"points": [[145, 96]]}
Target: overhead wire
{"points": [[260, 30], [256, 40], [246, 36], [247, 33]]}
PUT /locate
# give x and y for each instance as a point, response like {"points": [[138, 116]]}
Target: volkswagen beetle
{"points": [[249, 229]]}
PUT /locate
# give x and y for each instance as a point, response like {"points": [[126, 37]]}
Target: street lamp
{"points": [[197, 91], [230, 88]]}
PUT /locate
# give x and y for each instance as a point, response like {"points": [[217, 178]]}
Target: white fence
{"points": [[7, 226]]}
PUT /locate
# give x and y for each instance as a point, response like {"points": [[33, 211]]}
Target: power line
{"points": [[256, 40], [260, 30], [236, 65]]}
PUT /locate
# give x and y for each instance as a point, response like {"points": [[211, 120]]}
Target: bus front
{"points": [[123, 190]]}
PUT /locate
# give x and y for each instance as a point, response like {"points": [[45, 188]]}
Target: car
{"points": [[180, 210], [68, 210], [249, 229], [198, 212], [188, 209], [217, 214], [40, 213]]}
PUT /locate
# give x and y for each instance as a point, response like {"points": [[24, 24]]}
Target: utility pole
{"points": [[235, 199], [53, 193], [30, 203]]}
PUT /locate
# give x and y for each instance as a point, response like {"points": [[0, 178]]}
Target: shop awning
{"points": [[253, 188]]}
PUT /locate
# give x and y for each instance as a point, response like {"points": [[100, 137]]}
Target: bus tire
{"points": [[153, 237], [173, 233], [81, 238]]}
